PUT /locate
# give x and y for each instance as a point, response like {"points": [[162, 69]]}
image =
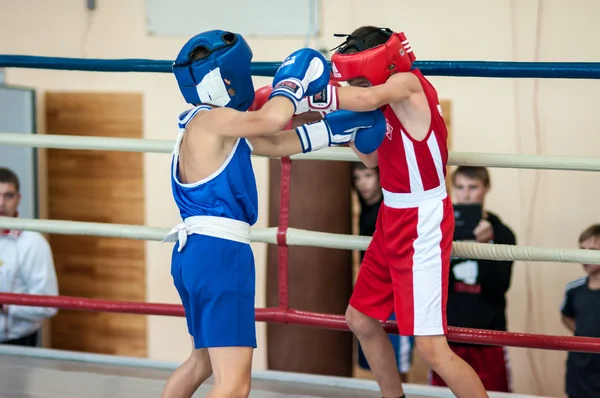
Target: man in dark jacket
{"points": [[477, 288]]}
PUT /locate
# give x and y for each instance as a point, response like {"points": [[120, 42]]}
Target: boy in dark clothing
{"points": [[580, 311], [477, 288]]}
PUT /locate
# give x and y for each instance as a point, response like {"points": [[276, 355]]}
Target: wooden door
{"points": [[97, 186]]}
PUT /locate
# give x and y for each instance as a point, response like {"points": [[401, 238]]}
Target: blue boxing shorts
{"points": [[215, 279]]}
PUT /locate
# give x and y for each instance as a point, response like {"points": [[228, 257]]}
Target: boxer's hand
{"points": [[324, 102], [367, 140], [303, 73], [261, 96], [484, 232], [366, 129]]}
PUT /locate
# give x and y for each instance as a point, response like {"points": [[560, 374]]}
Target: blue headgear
{"points": [[223, 77]]}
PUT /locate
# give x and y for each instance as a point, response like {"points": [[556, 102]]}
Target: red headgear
{"points": [[375, 64]]}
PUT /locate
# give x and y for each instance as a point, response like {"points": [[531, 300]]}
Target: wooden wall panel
{"points": [[320, 279], [97, 186]]}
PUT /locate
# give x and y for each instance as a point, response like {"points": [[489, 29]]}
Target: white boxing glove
{"points": [[324, 102]]}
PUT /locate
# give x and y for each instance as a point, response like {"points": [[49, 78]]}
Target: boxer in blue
{"points": [[215, 190]]}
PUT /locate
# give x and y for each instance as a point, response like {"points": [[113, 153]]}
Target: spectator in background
{"points": [[580, 311], [477, 288], [366, 183], [26, 266]]}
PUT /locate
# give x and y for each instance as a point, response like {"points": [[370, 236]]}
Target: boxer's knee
{"points": [[239, 390], [231, 388], [200, 363], [232, 368], [362, 325], [433, 350]]}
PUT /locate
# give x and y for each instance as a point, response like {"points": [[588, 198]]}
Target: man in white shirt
{"points": [[26, 266]]}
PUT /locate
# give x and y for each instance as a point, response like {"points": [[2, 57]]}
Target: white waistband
{"points": [[218, 227], [413, 199]]}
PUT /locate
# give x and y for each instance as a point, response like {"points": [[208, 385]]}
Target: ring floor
{"points": [[49, 378], [35, 373]]}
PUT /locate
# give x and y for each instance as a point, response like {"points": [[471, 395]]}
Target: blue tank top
{"points": [[229, 192]]}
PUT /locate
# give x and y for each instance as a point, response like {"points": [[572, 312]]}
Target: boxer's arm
{"points": [[366, 129], [284, 143], [361, 99], [269, 119], [370, 160]]}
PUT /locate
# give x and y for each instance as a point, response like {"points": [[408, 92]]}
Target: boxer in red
{"points": [[405, 268]]}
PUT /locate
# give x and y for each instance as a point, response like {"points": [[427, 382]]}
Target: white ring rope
{"points": [[548, 162], [300, 237]]}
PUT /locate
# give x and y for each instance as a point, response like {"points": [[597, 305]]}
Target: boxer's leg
{"points": [[371, 302], [420, 279], [228, 320], [186, 379], [232, 367]]}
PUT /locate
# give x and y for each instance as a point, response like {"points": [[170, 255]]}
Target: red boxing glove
{"points": [[261, 96], [324, 102]]}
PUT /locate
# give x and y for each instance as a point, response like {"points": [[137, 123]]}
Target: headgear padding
{"points": [[375, 64], [222, 77]]}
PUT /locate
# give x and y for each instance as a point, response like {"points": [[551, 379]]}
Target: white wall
{"points": [[489, 115]]}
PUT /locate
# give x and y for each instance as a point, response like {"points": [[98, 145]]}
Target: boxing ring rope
{"points": [[312, 319], [300, 237], [517, 161], [545, 70], [283, 235]]}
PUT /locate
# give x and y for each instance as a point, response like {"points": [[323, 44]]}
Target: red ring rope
{"points": [[313, 319], [282, 247]]}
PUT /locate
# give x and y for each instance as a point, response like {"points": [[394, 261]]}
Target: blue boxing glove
{"points": [[366, 129], [303, 73]]}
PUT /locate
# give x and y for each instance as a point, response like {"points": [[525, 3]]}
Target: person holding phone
{"points": [[477, 288]]}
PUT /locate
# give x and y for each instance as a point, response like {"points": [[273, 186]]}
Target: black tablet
{"points": [[466, 217]]}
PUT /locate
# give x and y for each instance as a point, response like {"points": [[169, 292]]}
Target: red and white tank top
{"points": [[408, 166]]}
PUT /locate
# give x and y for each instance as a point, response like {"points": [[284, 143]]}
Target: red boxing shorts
{"points": [[490, 364], [406, 267]]}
